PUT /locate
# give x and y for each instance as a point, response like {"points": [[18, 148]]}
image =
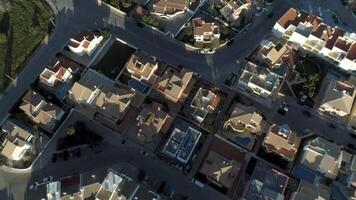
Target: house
{"points": [[152, 120], [282, 141], [41, 112], [338, 100], [142, 67], [205, 32], [220, 170], [58, 75], [265, 183], [223, 166], [233, 11], [310, 34], [59, 70], [274, 54], [111, 186], [181, 144], [84, 43], [175, 84], [322, 156], [15, 142], [244, 118], [308, 191], [170, 8], [299, 22], [205, 101], [97, 96], [259, 81]]}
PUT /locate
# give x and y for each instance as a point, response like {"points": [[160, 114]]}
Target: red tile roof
{"points": [[342, 44], [352, 52]]}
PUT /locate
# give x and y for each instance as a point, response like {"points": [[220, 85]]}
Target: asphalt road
{"points": [[75, 15]]}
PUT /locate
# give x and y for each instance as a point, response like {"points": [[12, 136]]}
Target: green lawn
{"points": [[311, 76], [23, 25]]}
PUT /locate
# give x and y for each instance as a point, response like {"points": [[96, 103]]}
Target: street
{"points": [[72, 16]]}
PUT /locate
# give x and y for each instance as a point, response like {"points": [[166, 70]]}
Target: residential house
{"points": [[282, 141], [15, 141], [84, 187], [152, 120], [41, 112], [351, 180], [58, 75], [97, 96], [181, 144], [274, 54], [205, 101], [338, 100], [175, 84], [224, 166], [84, 43], [142, 67], [309, 33], [170, 8], [299, 23], [244, 118], [308, 191], [322, 156], [219, 170], [259, 81], [205, 32], [265, 183], [233, 11]]}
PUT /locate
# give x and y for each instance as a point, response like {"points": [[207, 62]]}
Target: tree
{"points": [[71, 130], [3, 38]]}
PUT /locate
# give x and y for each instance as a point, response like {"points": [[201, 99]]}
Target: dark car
{"points": [[302, 99], [331, 125], [351, 146], [353, 135], [77, 152], [307, 113], [54, 157], [270, 15], [65, 155], [283, 108]]}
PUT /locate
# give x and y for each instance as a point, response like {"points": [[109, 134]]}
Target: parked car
{"points": [[283, 108], [65, 155], [331, 125], [47, 179], [145, 153], [270, 15], [34, 186], [353, 135], [146, 179], [77, 152], [307, 113], [351, 146], [302, 99], [54, 157]]}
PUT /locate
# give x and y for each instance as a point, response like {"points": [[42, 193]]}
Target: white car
{"points": [[48, 179]]}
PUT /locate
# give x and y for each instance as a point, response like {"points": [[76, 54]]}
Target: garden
{"points": [[23, 26], [114, 60], [77, 134], [124, 5], [187, 34], [309, 78]]}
